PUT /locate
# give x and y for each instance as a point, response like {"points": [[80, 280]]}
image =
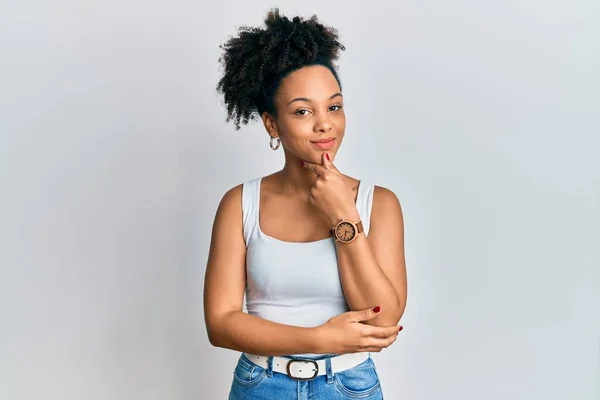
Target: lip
{"points": [[325, 144]]}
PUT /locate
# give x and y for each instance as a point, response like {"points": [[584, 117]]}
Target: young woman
{"points": [[318, 254]]}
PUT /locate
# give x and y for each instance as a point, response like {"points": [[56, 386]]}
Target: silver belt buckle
{"points": [[308, 362]]}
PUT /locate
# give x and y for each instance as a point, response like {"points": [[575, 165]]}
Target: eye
{"points": [[301, 112], [335, 107]]}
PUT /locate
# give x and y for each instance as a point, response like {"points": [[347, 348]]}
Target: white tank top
{"points": [[293, 283]]}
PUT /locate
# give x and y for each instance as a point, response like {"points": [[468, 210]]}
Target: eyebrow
{"points": [[310, 101]]}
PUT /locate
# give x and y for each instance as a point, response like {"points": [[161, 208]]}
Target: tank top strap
{"points": [[250, 198], [364, 203]]}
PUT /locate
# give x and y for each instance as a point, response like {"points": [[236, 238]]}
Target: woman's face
{"points": [[309, 108]]}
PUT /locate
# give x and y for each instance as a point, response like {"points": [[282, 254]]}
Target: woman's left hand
{"points": [[330, 193]]}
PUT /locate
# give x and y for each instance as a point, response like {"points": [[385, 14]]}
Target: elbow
{"points": [[215, 336], [390, 315], [397, 312], [216, 340], [391, 318], [217, 328], [212, 336], [213, 339]]}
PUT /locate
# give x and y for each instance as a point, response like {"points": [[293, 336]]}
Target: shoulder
{"points": [[384, 195], [386, 204], [230, 205], [232, 199], [232, 195]]}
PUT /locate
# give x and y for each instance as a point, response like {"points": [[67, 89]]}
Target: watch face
{"points": [[345, 231]]}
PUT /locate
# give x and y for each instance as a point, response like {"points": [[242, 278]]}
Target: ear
{"points": [[269, 123]]}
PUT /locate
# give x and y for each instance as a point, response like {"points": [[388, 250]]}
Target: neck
{"points": [[294, 178]]}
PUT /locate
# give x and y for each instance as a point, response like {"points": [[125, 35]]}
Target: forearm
{"points": [[248, 333], [364, 282]]}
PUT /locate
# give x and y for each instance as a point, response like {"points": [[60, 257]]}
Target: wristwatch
{"points": [[346, 231]]}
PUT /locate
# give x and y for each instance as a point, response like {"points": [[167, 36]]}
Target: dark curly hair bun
{"points": [[256, 61]]}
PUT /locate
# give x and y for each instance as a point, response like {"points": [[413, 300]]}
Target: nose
{"points": [[323, 124]]}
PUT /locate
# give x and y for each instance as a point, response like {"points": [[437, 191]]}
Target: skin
{"points": [[316, 195]]}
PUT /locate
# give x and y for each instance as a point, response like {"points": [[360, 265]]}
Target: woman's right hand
{"points": [[345, 333]]}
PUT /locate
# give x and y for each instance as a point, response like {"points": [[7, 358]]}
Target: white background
{"points": [[482, 116]]}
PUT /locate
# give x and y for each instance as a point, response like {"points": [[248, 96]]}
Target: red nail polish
{"points": [[377, 309], [399, 329], [327, 155]]}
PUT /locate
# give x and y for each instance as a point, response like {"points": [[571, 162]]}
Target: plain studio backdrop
{"points": [[482, 116]]}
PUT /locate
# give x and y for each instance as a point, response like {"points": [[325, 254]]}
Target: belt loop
{"points": [[270, 366], [328, 369]]}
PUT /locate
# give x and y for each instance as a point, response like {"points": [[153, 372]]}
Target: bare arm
{"points": [[224, 284], [372, 269]]}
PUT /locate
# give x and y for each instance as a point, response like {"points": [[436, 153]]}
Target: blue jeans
{"points": [[253, 382]]}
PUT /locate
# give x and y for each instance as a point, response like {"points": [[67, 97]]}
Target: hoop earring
{"points": [[277, 145]]}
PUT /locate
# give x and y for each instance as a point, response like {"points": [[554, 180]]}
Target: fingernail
{"points": [[399, 329], [327, 155], [301, 163], [377, 309]]}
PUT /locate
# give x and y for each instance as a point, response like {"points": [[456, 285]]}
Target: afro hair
{"points": [[257, 59]]}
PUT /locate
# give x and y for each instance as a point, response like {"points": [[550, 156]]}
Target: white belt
{"points": [[305, 369]]}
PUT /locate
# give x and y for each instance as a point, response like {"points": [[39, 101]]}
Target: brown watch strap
{"points": [[359, 226]]}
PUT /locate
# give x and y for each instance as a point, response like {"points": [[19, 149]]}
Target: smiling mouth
{"points": [[324, 140], [325, 144]]}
